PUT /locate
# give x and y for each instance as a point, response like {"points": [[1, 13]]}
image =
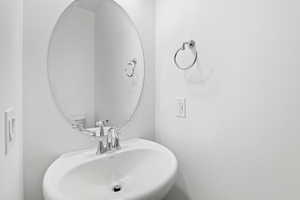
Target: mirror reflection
{"points": [[96, 64]]}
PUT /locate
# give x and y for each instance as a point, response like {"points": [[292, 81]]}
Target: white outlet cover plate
{"points": [[10, 128], [181, 107]]}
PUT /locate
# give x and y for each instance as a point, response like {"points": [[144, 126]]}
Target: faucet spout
{"points": [[101, 148]]}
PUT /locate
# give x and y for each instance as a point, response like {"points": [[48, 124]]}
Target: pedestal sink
{"points": [[141, 170]]}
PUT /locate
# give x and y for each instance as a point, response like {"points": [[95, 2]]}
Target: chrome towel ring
{"points": [[192, 46]]}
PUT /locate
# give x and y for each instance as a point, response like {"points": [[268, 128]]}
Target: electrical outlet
{"points": [[10, 128], [181, 107]]}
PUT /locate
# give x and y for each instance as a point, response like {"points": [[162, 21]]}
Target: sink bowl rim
{"points": [[69, 161]]}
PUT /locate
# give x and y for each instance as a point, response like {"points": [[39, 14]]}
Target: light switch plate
{"points": [[10, 129], [181, 107]]}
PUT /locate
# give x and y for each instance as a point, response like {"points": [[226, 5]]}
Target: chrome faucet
{"points": [[113, 139], [101, 134], [108, 138]]}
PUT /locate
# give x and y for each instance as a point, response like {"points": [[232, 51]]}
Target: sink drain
{"points": [[117, 188]]}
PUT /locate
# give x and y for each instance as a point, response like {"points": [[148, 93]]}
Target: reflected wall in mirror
{"points": [[96, 64]]}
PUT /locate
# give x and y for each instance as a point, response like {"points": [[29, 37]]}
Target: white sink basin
{"points": [[145, 171]]}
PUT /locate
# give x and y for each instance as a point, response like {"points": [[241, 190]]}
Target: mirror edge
{"points": [[52, 94]]}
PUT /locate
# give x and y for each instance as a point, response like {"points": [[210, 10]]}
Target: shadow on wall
{"points": [[178, 192], [199, 74]]}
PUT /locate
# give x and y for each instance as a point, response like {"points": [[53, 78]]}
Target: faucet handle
{"points": [[102, 123], [116, 144], [100, 127]]}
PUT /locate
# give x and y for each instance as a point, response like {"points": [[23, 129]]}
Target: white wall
{"points": [[241, 136], [10, 96], [46, 134]]}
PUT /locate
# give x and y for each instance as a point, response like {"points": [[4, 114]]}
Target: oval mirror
{"points": [[95, 64]]}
